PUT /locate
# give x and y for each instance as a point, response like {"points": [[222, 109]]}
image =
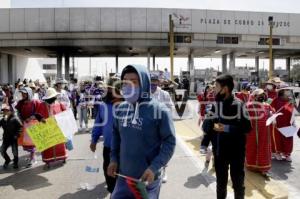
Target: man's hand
{"points": [[93, 147], [148, 176], [218, 127], [112, 169]]}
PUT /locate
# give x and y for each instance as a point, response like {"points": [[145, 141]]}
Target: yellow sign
{"points": [[46, 135]]}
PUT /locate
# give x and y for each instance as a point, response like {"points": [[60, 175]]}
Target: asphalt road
{"points": [[187, 177]]}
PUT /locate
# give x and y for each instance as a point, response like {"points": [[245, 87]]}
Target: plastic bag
{"points": [[69, 145]]}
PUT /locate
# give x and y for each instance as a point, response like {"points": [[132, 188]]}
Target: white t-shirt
{"points": [[63, 98], [163, 97]]}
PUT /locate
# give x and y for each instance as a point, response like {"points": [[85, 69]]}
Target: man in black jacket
{"points": [[12, 128], [228, 124]]}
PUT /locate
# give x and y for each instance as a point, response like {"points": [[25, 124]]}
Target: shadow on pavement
{"points": [[203, 178], [281, 169], [98, 193], [27, 179], [258, 184], [195, 143], [83, 132]]}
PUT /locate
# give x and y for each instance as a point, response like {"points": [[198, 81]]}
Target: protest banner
{"points": [[67, 123], [46, 135]]}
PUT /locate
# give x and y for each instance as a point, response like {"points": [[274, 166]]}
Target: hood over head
{"points": [[144, 79], [28, 91]]}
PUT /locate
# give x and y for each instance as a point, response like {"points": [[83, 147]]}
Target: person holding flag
{"points": [[143, 139]]}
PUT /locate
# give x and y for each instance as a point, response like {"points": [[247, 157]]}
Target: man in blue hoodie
{"points": [[143, 138]]}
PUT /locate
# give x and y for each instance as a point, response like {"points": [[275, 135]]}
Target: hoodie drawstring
{"points": [[136, 113], [125, 118]]}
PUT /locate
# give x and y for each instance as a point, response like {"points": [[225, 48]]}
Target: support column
{"points": [[191, 68], [67, 66], [4, 75], [73, 67], [153, 62], [59, 65], [224, 63], [273, 68], [257, 67], [288, 68], [117, 63], [231, 61], [1, 69], [10, 68], [148, 60]]}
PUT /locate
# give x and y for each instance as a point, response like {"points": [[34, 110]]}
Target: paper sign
{"points": [[272, 119], [67, 123], [288, 131], [46, 135]]}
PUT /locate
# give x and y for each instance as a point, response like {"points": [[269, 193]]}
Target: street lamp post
{"points": [[270, 47]]}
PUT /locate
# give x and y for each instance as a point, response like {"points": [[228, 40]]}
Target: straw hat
{"points": [[61, 81], [50, 93], [31, 85], [258, 91]]}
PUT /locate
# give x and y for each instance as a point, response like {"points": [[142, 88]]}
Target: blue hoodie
{"points": [[140, 140], [103, 124]]}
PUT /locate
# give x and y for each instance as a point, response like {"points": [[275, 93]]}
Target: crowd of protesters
{"points": [[133, 114], [241, 130]]}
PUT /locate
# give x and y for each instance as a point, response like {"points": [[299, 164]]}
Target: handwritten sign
{"points": [[46, 135], [67, 123]]}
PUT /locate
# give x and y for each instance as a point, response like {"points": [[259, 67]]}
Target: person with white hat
{"points": [[282, 146], [258, 147], [28, 109], [63, 96], [49, 108], [270, 90]]}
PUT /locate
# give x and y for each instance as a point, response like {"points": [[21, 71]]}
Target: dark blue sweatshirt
{"points": [[143, 134], [103, 124]]}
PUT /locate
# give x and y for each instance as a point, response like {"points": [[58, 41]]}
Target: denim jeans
{"points": [[83, 116]]}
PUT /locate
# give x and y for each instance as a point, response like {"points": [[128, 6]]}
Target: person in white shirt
{"points": [[163, 97], [159, 94], [17, 94], [63, 96], [34, 91], [167, 74]]}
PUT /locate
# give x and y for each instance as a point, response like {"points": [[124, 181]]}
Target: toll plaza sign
{"points": [[243, 22]]}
